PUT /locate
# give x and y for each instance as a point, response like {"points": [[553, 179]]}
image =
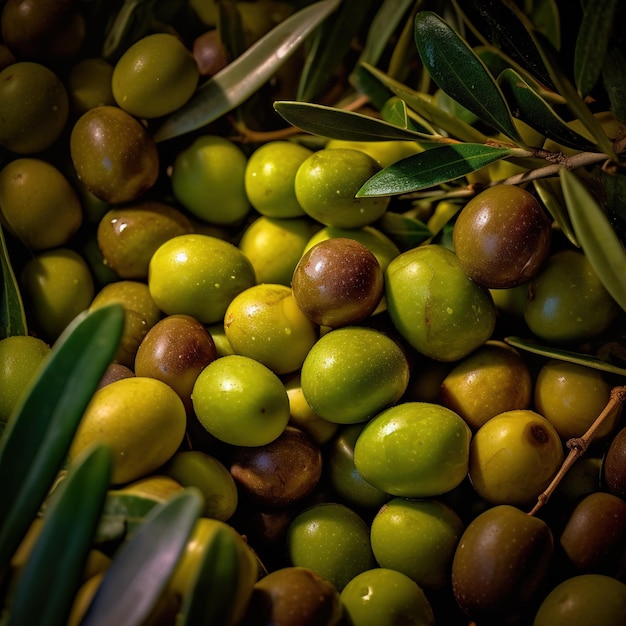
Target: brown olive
{"points": [[614, 465], [502, 237], [209, 52], [280, 473], [175, 350], [338, 282]]}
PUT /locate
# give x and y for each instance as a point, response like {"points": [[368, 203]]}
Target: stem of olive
{"points": [[577, 446]]}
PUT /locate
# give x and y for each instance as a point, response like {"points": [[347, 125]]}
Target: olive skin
{"points": [[35, 107], [175, 350], [89, 85], [501, 560], [614, 465], [502, 237], [281, 472], [155, 76], [338, 282], [113, 154]]}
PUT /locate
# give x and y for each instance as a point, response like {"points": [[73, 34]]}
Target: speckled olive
{"points": [[38, 205], [502, 237], [113, 154], [326, 185], [35, 107], [175, 350], [128, 236], [155, 76], [338, 282], [280, 473]]}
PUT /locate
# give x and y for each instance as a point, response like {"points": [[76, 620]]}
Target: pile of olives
{"points": [[345, 402]]}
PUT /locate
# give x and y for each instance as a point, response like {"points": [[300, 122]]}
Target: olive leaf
{"points": [[335, 123], [331, 42], [551, 194], [460, 72], [597, 238], [246, 74], [614, 190], [40, 431], [428, 111], [614, 81], [433, 167], [544, 14], [54, 569], [142, 567], [396, 112], [537, 113], [592, 43], [12, 314], [570, 356]]}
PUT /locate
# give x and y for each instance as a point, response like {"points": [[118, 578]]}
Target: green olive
{"points": [[155, 76], [384, 152], [35, 107], [89, 84], [270, 175], [38, 205], [113, 154], [20, 358], [326, 185], [57, 287], [208, 180], [198, 275]]}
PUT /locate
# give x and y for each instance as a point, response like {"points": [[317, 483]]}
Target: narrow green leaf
{"points": [[565, 355], [614, 194], [12, 315], [546, 18], [211, 601], [592, 43], [335, 123], [396, 113], [142, 568], [460, 72], [435, 116], [551, 194], [406, 232], [537, 113], [55, 567], [614, 81], [35, 443], [433, 167], [331, 43], [246, 74], [597, 238]]}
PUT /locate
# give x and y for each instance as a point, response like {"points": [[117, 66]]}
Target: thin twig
{"points": [[577, 446]]}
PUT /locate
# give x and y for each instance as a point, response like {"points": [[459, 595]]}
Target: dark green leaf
{"points": [[246, 74], [122, 514], [504, 25], [598, 240], [429, 112], [565, 355], [614, 189], [545, 16], [212, 599], [592, 43], [396, 112], [551, 194], [614, 81], [230, 28], [143, 566], [336, 123], [537, 113], [370, 87], [55, 567], [460, 72], [12, 316], [332, 42], [433, 167], [406, 232], [34, 445]]}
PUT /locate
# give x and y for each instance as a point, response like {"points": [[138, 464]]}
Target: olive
{"points": [[38, 205], [128, 236], [175, 350], [89, 84], [614, 465], [35, 107], [113, 154], [113, 372], [280, 473], [209, 52], [502, 237], [338, 282], [566, 301], [154, 76]]}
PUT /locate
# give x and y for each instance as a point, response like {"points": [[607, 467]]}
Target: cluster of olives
{"points": [[345, 403]]}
